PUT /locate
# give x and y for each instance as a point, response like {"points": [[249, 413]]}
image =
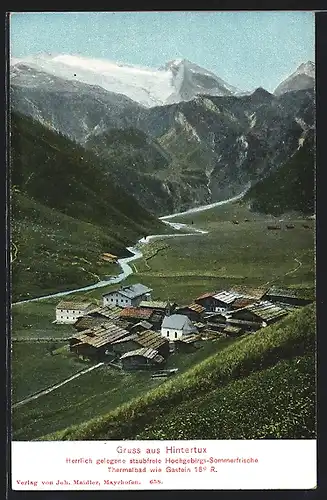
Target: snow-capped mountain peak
{"points": [[307, 68], [179, 80], [302, 78]]}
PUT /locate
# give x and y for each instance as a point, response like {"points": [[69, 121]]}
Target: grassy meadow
{"points": [[108, 404], [94, 393]]}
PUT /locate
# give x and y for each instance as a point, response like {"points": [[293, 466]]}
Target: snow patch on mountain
{"points": [[179, 80]]}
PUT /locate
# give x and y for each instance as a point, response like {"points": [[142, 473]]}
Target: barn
{"points": [[264, 313], [97, 316], [193, 311], [142, 359], [145, 339], [96, 342], [286, 296], [188, 343]]}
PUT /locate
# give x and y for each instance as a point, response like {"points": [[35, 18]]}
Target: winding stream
{"points": [[126, 269]]}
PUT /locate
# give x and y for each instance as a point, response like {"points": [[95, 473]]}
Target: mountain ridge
{"points": [[176, 81]]}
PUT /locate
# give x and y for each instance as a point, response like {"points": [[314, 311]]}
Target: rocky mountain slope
{"points": [[67, 210], [70, 107], [174, 156], [302, 78], [289, 188]]}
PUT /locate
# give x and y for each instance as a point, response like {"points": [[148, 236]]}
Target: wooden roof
{"points": [[145, 352], [192, 307], [249, 291], [100, 335], [110, 312], [266, 310], [73, 305], [154, 304], [189, 339], [145, 339], [136, 313], [243, 302]]}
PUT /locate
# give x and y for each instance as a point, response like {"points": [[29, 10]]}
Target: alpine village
{"points": [[162, 252]]}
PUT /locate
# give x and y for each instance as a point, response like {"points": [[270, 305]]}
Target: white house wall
{"points": [[68, 316], [118, 299], [171, 334]]}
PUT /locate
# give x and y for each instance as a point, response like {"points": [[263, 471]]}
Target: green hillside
{"points": [[289, 188], [65, 210], [261, 386]]}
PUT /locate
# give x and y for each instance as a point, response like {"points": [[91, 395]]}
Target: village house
{"points": [[68, 312], [127, 296], [207, 301], [96, 342], [109, 257], [286, 296], [193, 311], [145, 339], [217, 302], [263, 313], [142, 359], [176, 326]]}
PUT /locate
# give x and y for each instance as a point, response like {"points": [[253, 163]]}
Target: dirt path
{"points": [[296, 268], [54, 387], [14, 255]]}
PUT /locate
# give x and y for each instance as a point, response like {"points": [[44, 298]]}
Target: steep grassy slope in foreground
{"points": [[65, 212], [247, 363], [290, 187]]}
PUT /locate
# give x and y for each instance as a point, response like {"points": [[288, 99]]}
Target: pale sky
{"points": [[246, 49]]}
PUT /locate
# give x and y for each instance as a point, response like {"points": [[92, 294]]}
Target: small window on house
{"points": [[67, 317], [167, 334], [175, 335], [61, 317], [126, 301]]}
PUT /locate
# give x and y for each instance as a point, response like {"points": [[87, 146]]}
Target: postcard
{"points": [[162, 200]]}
